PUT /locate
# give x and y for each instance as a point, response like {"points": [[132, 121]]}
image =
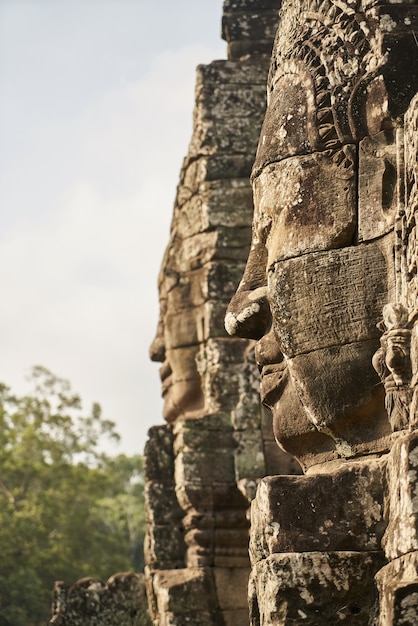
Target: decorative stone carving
{"points": [[328, 91], [222, 442], [396, 360], [333, 245]]}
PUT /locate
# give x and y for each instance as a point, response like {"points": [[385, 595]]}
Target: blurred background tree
{"points": [[67, 509]]}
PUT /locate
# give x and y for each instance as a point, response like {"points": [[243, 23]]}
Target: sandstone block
{"points": [[346, 288], [250, 5], [249, 455], [193, 618], [186, 591], [251, 26], [221, 102], [210, 497], [204, 466], [244, 72], [314, 588], [228, 166], [195, 325], [398, 591], [333, 512], [164, 546], [90, 602], [402, 531], [216, 206], [158, 454], [230, 239], [161, 503], [337, 370], [238, 136], [194, 252], [189, 438], [231, 586], [278, 461]]}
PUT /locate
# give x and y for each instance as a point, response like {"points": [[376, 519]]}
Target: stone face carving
{"points": [[321, 265], [218, 441], [333, 250], [329, 298]]}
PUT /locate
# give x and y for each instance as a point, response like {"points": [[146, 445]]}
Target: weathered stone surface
{"points": [[235, 617], [327, 512], [203, 496], [314, 588], [246, 48], [91, 602], [323, 282], [228, 583], [398, 590], [224, 102], [396, 359], [186, 596], [249, 27], [208, 466], [378, 185], [235, 132], [159, 458], [215, 206], [410, 279], [331, 246], [213, 136], [249, 455], [306, 204], [164, 546], [244, 25], [402, 532], [250, 5], [220, 380], [162, 505], [278, 461], [244, 72]]}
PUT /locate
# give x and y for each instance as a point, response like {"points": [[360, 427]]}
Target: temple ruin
{"points": [[282, 489], [327, 302]]}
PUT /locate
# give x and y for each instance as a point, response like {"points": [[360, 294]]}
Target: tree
{"points": [[67, 510]]}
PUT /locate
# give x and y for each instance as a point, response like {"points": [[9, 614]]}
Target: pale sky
{"points": [[96, 100]]}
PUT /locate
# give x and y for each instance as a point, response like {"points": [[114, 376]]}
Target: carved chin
{"points": [[182, 399], [317, 415]]}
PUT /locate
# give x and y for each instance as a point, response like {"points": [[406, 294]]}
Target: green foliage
{"points": [[66, 509]]}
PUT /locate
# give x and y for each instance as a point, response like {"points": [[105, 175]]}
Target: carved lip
{"points": [[273, 382], [165, 376]]}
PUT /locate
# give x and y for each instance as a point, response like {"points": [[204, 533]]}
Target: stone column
{"points": [[221, 439]]}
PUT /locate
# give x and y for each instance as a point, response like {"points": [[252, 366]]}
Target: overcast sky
{"points": [[96, 100]]}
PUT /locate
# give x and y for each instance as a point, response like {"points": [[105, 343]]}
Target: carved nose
{"points": [[248, 314], [157, 348]]}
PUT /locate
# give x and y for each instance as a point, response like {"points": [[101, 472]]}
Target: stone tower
{"points": [[327, 303], [203, 466]]}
